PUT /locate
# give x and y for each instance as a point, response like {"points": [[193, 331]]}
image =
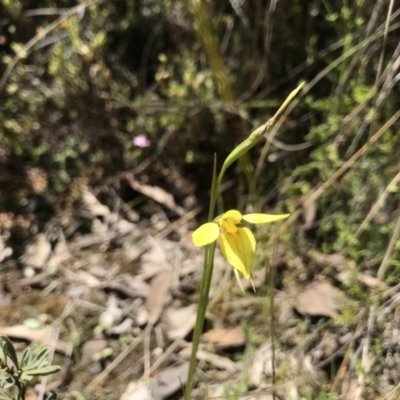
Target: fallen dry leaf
{"points": [[37, 252], [157, 257], [225, 338], [335, 260], [346, 276], [5, 251], [93, 206], [34, 335], [309, 214], [159, 387], [158, 293], [349, 389], [157, 194], [318, 298], [180, 321]]}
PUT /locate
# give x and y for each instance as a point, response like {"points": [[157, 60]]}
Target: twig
{"points": [[389, 250], [365, 359], [100, 378], [378, 203]]}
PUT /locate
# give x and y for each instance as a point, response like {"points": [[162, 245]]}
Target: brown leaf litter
{"points": [[128, 299]]}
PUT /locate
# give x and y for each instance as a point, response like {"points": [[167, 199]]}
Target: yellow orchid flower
{"points": [[238, 244]]}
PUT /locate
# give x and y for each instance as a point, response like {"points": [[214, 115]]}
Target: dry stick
{"points": [[341, 374], [389, 250], [359, 107], [395, 393], [318, 192], [158, 362], [100, 378], [380, 74], [378, 203], [385, 36], [39, 12], [179, 222], [40, 35], [329, 359], [365, 357]]}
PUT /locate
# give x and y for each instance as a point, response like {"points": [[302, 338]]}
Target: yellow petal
{"points": [[263, 218], [234, 216], [205, 234], [238, 249], [238, 279], [240, 282]]}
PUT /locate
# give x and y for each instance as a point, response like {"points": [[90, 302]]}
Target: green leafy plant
{"points": [[16, 372]]}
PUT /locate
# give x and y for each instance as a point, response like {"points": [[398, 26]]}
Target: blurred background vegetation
{"points": [[80, 80]]}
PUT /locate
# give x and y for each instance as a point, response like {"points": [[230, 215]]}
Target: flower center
{"points": [[228, 225]]}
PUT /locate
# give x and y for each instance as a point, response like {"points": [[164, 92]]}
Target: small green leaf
{"points": [[40, 360], [25, 378], [50, 369], [8, 382], [26, 358], [8, 350], [3, 351], [3, 357]]}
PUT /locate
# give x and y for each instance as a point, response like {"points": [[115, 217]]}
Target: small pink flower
{"points": [[141, 141]]}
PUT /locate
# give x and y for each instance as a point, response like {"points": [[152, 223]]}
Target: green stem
{"points": [[208, 266], [201, 313], [21, 389]]}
